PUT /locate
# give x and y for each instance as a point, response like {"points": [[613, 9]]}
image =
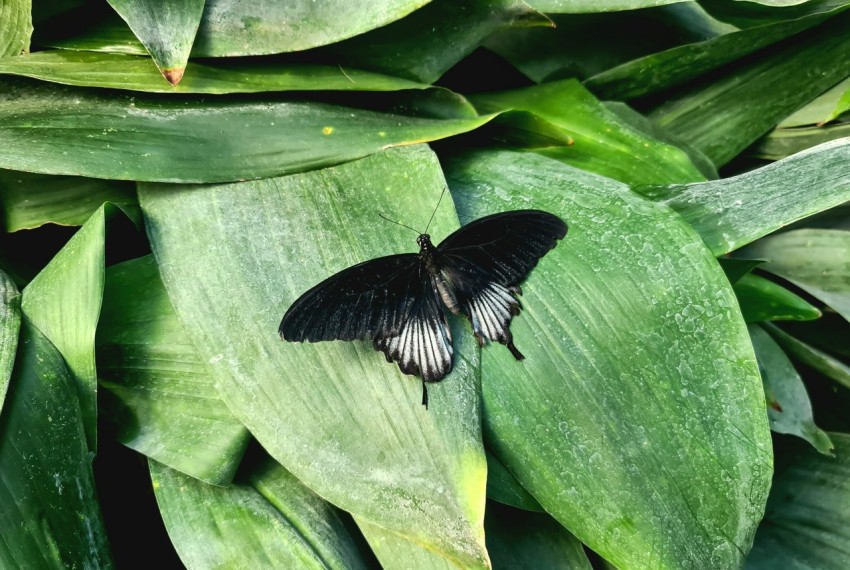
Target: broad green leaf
{"points": [[234, 27], [580, 6], [166, 28], [158, 394], [807, 523], [393, 551], [336, 414], [821, 361], [31, 200], [425, 44], [64, 301], [120, 71], [675, 66], [267, 520], [602, 143], [522, 540], [580, 45], [723, 117], [15, 27], [10, 324], [791, 410], [825, 108], [763, 300], [504, 488], [733, 212], [640, 396], [62, 130], [780, 143], [817, 261], [49, 515]]}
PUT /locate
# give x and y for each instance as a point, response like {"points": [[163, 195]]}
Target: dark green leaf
{"points": [[166, 28], [602, 143], [336, 414], [763, 300], [639, 373], [10, 324], [789, 409], [120, 71], [15, 27], [522, 540], [60, 130], [817, 261], [807, 523], [733, 212], [424, 45], [735, 268], [32, 200], [159, 395], [504, 488], [268, 520], [725, 116], [822, 362], [49, 515]]}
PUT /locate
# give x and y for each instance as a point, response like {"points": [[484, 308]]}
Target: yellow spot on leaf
{"points": [[327, 130]]}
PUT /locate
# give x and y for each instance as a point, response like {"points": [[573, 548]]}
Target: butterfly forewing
{"points": [[367, 299]]}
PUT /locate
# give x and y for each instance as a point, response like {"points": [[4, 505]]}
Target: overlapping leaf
{"points": [[342, 420], [10, 324], [639, 374]]}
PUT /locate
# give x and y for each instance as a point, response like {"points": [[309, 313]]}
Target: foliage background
{"points": [[174, 174]]}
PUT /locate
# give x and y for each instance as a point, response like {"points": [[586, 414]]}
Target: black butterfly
{"points": [[397, 301]]}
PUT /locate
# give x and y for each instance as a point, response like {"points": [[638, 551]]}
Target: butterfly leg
{"points": [[517, 354], [424, 395]]}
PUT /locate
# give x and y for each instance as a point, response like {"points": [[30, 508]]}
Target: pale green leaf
{"points": [[780, 143], [160, 397], [639, 374], [823, 109], [15, 27], [336, 414], [733, 212]]}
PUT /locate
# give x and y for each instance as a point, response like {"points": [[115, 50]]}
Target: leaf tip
{"points": [[173, 74]]}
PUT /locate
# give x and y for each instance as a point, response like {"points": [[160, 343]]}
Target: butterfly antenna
{"points": [[398, 223], [443, 193]]}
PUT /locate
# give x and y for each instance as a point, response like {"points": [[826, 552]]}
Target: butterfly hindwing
{"points": [[485, 261], [367, 299]]}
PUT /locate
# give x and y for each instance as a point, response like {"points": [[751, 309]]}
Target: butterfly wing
{"points": [[485, 261], [361, 302], [390, 301]]}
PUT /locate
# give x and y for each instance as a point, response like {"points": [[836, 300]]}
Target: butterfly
{"points": [[399, 302]]}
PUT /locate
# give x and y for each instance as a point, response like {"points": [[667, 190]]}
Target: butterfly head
{"points": [[424, 241]]}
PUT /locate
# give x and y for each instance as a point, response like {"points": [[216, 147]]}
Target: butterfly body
{"points": [[399, 302]]}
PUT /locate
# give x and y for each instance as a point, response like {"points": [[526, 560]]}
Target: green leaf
{"points": [[817, 261], [120, 71], [725, 116], [736, 268], [522, 540], [10, 324], [61, 130], [807, 523], [157, 392], [747, 14], [763, 300], [15, 27], [336, 414], [733, 212], [675, 66], [581, 46], [675, 420], [504, 488], [233, 27], [267, 520], [780, 143], [64, 301], [825, 108], [790, 410], [425, 44], [393, 551], [32, 200], [49, 515], [602, 143], [166, 28], [821, 361], [581, 6]]}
